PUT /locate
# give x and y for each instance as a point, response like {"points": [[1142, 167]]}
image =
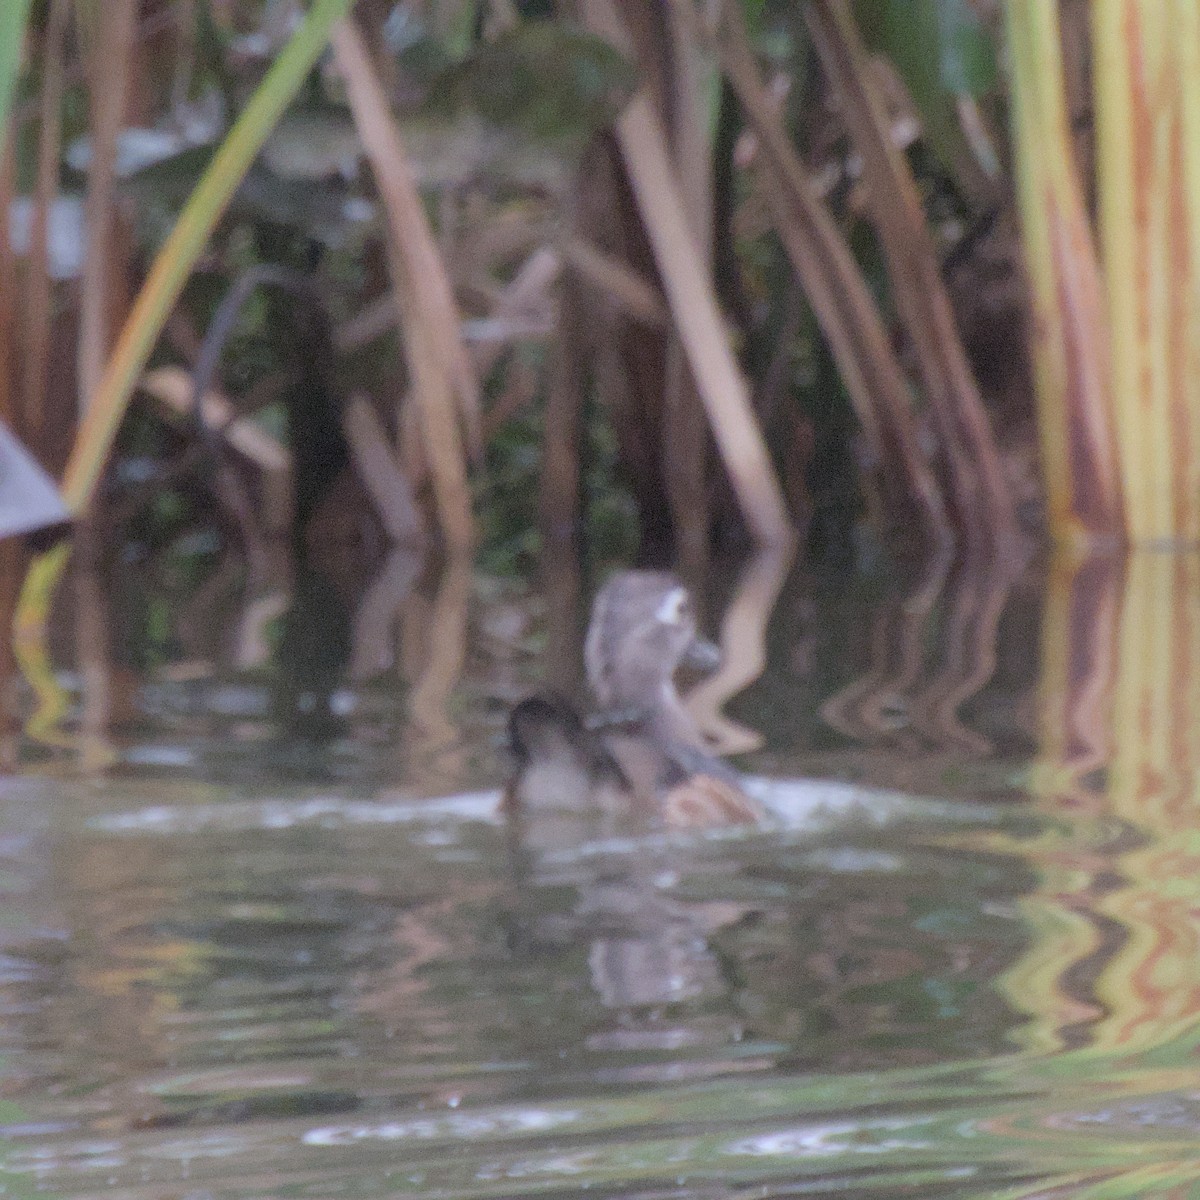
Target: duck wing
{"points": [[689, 788]]}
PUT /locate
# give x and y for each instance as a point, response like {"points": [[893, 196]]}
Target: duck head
{"points": [[643, 628]]}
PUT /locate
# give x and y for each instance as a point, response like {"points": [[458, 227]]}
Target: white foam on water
{"points": [[324, 811]]}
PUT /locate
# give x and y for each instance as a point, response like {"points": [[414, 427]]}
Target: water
{"points": [[961, 962]]}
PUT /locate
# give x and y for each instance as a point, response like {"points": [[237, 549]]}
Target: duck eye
{"points": [[675, 608]]}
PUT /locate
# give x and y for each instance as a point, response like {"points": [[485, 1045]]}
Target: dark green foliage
{"points": [[937, 45], [543, 81], [942, 50], [507, 494]]}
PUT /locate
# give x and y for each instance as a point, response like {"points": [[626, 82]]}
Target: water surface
{"points": [[961, 962]]}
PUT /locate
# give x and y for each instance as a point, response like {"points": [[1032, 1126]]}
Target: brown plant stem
{"points": [[694, 307], [433, 728], [12, 568], [980, 492], [107, 62], [685, 439], [562, 437], [94, 650], [640, 299], [10, 409], [840, 298], [36, 346], [376, 465], [438, 364]]}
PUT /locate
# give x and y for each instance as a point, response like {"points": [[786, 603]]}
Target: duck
{"points": [[640, 753]]}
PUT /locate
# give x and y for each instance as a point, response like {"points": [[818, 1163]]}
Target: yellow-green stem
{"points": [[1147, 98], [1069, 331]]}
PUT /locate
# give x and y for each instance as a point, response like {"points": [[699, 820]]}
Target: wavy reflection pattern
{"points": [[1112, 961], [933, 649]]}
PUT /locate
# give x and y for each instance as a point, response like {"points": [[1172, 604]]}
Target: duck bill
{"points": [[702, 655]]}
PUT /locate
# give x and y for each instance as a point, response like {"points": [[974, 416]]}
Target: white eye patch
{"points": [[673, 608]]}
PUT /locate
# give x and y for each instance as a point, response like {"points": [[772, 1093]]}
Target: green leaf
{"points": [[541, 80], [966, 56], [939, 46], [942, 51], [12, 36]]}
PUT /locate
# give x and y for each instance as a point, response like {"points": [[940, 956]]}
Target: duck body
{"points": [[561, 764], [640, 754]]}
